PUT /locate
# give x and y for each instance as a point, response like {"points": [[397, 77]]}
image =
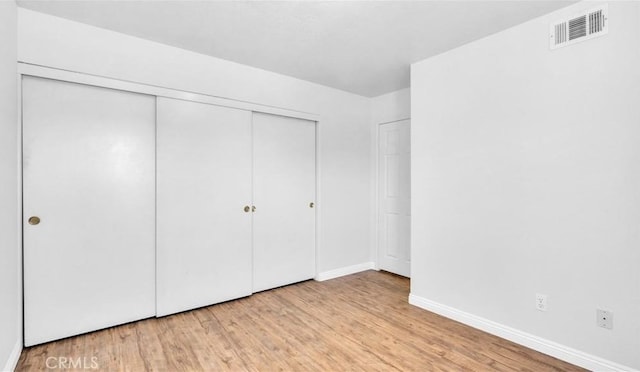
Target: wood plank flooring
{"points": [[360, 322]]}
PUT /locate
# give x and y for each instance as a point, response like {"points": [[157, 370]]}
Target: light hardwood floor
{"points": [[357, 322]]}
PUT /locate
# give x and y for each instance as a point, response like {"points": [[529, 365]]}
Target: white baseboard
{"points": [[12, 362], [348, 270], [542, 345]]}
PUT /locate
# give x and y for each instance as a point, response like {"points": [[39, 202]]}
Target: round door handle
{"points": [[34, 220], [246, 209], [253, 208], [311, 205]]}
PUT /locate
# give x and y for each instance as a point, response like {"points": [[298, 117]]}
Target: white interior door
{"points": [[89, 175], [284, 176], [204, 183], [394, 197]]}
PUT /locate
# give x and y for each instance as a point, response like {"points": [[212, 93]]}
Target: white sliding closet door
{"points": [[284, 175], [204, 184], [89, 213]]}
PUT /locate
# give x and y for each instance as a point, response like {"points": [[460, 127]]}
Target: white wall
{"points": [[392, 106], [526, 180], [344, 128], [10, 283], [386, 108]]}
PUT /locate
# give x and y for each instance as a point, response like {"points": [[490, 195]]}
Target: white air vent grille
{"points": [[561, 33], [585, 26], [596, 21], [578, 27]]}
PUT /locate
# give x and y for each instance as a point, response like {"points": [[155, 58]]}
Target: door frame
{"points": [[375, 218], [27, 69]]}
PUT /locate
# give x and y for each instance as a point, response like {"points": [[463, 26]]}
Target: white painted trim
{"points": [[14, 357], [129, 86], [542, 345], [343, 271], [394, 121], [318, 199]]}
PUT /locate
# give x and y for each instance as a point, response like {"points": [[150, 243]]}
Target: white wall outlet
{"points": [[541, 302], [604, 318]]}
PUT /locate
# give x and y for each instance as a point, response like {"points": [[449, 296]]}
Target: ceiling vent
{"points": [[581, 27]]}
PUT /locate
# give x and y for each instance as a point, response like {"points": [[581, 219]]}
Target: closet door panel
{"points": [[88, 175], [203, 184], [284, 177]]}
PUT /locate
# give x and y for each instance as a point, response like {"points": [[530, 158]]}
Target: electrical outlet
{"points": [[541, 302], [604, 318]]}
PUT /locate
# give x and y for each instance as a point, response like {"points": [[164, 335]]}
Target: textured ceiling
{"points": [[364, 47]]}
